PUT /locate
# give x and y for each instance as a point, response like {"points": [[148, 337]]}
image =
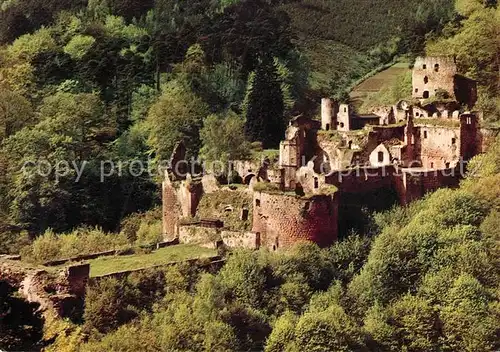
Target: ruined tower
{"points": [[328, 115], [344, 118], [433, 73]]}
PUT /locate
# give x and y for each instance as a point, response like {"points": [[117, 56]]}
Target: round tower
{"points": [[327, 120]]}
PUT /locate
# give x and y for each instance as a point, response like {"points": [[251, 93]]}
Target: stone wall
{"points": [[433, 73], [179, 199], [171, 210], [412, 185], [58, 294], [194, 234], [236, 239], [361, 180], [283, 220], [439, 146]]}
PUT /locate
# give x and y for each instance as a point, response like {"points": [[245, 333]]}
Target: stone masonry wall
{"points": [[236, 239], [190, 234], [427, 77], [283, 220], [439, 146], [412, 185], [171, 210]]}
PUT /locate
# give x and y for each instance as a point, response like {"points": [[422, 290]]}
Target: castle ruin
{"points": [[408, 149]]}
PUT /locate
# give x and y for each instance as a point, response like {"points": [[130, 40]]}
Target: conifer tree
{"points": [[265, 107]]}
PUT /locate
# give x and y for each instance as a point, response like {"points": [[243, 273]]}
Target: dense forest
{"points": [[89, 84]]}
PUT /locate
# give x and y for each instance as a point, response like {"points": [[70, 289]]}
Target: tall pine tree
{"points": [[264, 106]]}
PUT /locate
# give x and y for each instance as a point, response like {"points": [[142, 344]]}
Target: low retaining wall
{"points": [[210, 237], [236, 239], [108, 253], [209, 263]]}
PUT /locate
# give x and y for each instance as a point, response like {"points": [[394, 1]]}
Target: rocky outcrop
{"points": [[59, 293]]}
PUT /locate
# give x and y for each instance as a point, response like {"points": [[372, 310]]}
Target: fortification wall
{"points": [[236, 239], [361, 180], [58, 295], [204, 236], [171, 210], [180, 199], [439, 146], [413, 185], [284, 220]]}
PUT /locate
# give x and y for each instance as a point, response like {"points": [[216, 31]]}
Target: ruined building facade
{"points": [[324, 166]]}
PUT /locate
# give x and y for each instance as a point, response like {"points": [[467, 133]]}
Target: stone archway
{"points": [[248, 178]]}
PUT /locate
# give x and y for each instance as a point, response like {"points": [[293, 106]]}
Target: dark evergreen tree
{"points": [[264, 114]]}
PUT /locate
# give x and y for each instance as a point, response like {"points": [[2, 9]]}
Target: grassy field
{"points": [[329, 59], [377, 82], [108, 265]]}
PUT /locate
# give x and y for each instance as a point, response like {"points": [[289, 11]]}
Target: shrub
{"points": [[52, 246], [149, 233], [132, 223]]}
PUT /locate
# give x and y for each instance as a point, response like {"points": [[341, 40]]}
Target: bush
{"points": [[132, 223], [148, 234], [51, 246]]}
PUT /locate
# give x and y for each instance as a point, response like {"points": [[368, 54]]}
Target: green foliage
{"points": [[331, 329], [51, 246], [408, 324], [79, 45], [132, 223], [16, 113], [26, 47], [177, 116], [223, 139], [264, 115], [401, 89]]}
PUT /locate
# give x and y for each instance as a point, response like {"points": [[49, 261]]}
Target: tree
{"points": [[470, 322], [265, 107], [329, 330], [223, 138], [176, 116], [15, 113], [73, 130], [408, 324], [79, 45]]}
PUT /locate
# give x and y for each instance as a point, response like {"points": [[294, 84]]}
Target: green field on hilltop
{"points": [[377, 82], [109, 265]]}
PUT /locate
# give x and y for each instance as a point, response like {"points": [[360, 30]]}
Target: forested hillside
{"points": [[421, 278], [94, 95]]}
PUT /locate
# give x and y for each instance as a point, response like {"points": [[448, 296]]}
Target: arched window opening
{"points": [[426, 94], [426, 80], [436, 67], [425, 134], [328, 127], [424, 67], [316, 183]]}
